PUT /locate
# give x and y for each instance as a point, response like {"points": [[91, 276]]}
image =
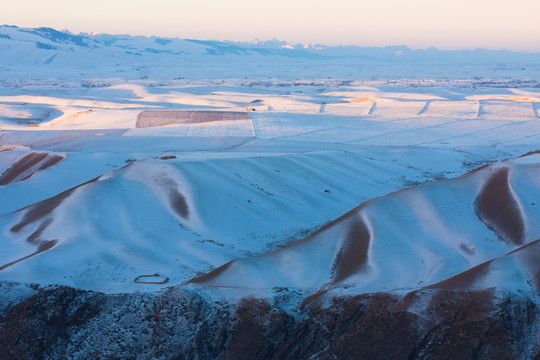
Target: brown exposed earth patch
{"points": [[44, 208], [38, 211], [257, 330], [176, 198], [152, 118], [34, 239], [454, 325], [27, 166], [6, 148], [353, 254], [179, 203], [50, 160], [58, 322], [464, 280], [497, 208], [212, 274], [356, 230], [527, 256], [532, 152], [351, 258], [466, 248], [44, 246]]}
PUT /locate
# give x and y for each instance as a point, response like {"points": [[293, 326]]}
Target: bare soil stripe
{"points": [[499, 210], [20, 166], [45, 245], [43, 208], [353, 254]]}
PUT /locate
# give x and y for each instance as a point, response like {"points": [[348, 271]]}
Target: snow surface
{"points": [[328, 131]]}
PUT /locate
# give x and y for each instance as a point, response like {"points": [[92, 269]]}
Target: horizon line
{"points": [[285, 42]]}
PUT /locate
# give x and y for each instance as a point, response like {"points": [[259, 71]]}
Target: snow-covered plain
{"points": [[90, 200]]}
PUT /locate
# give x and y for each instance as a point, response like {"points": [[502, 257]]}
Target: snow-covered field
{"points": [[256, 202]]}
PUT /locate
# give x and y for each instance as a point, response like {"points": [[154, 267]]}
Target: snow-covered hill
{"points": [[179, 218], [414, 238], [168, 198]]}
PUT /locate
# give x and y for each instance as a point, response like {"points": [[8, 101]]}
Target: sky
{"points": [[445, 24]]}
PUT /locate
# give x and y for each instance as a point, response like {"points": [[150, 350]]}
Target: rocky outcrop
{"points": [[63, 322], [420, 325]]}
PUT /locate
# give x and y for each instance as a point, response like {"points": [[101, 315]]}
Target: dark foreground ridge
{"points": [[63, 322]]}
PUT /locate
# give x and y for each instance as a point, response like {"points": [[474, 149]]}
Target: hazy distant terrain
{"points": [[168, 198], [38, 53]]}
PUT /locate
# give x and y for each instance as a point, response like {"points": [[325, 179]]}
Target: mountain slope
{"points": [[412, 238], [164, 216], [179, 216]]}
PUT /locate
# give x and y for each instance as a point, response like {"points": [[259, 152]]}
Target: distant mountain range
{"points": [[31, 46]]}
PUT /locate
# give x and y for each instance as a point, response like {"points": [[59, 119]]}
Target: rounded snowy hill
{"points": [[171, 217], [423, 236]]}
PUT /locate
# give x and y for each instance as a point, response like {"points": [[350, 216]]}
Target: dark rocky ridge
{"points": [[63, 322]]}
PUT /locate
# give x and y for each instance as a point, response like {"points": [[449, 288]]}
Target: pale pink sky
{"points": [[446, 24]]}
